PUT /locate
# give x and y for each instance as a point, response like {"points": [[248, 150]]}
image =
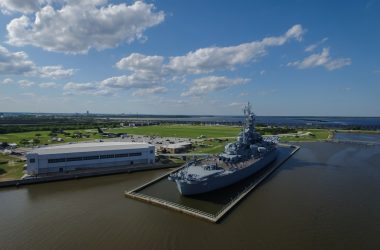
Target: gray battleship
{"points": [[249, 154]]}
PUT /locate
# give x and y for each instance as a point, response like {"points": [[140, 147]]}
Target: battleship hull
{"points": [[224, 180]]}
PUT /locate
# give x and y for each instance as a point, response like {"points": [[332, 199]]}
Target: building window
{"points": [[121, 155], [151, 151], [134, 154], [91, 157], [107, 156], [56, 160], [74, 159], [32, 160]]}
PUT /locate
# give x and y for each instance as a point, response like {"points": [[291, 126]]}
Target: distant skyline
{"points": [[304, 58]]}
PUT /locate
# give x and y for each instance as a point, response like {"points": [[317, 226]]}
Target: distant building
{"points": [[81, 156], [176, 147]]}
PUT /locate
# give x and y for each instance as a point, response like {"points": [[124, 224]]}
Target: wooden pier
{"points": [[135, 194]]}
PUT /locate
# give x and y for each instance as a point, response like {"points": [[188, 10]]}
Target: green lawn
{"points": [[45, 138], [184, 131], [10, 167], [319, 134], [210, 147]]}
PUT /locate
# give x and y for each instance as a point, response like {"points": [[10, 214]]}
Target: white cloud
{"points": [[14, 63], [338, 63], [147, 73], [55, 72], [150, 91], [23, 6], [25, 83], [210, 59], [79, 26], [136, 62], [73, 88], [237, 104], [322, 59], [18, 63], [7, 81], [46, 85], [204, 85], [135, 80], [312, 47]]}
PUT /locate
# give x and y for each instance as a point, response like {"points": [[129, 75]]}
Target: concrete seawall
{"points": [[71, 176]]}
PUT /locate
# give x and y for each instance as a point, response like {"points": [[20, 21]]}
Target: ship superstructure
{"points": [[240, 159]]}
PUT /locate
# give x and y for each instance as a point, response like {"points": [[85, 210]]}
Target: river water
{"points": [[357, 137], [324, 197]]}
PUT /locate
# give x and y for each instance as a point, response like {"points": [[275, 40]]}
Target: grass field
{"points": [[45, 138], [10, 168], [319, 134], [210, 147], [185, 131]]}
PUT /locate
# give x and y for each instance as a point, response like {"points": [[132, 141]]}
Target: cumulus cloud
{"points": [[150, 91], [46, 85], [204, 85], [136, 62], [323, 59], [89, 88], [55, 72], [79, 26], [148, 73], [135, 80], [7, 81], [25, 83], [18, 63], [14, 63], [206, 60], [23, 6]]}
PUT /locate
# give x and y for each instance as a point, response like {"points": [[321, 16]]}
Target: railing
{"points": [[173, 205]]}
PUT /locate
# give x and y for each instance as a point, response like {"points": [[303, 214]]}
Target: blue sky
{"points": [[190, 57]]}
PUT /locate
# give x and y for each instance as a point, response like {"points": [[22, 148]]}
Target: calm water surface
{"points": [[357, 137], [325, 197]]}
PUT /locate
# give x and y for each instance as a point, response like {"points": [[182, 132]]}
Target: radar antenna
{"points": [[247, 109]]}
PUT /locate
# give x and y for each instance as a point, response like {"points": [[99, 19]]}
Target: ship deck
{"points": [[214, 160]]}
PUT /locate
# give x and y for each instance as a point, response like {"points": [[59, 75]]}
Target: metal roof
{"points": [[89, 147]]}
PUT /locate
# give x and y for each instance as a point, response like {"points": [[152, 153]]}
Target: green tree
{"points": [[24, 142]]}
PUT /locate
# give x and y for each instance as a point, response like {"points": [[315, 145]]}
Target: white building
{"points": [[88, 155]]}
